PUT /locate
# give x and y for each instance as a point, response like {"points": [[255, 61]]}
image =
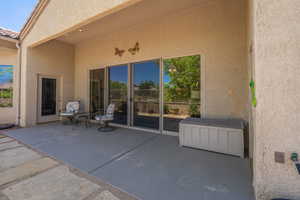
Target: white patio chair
{"points": [[106, 118], [72, 109]]}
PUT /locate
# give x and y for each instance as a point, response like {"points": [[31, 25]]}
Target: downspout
{"points": [[18, 45]]}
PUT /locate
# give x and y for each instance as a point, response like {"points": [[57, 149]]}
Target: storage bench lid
{"points": [[224, 123]]}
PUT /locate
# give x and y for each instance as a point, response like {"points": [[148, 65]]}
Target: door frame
{"points": [[49, 118]]}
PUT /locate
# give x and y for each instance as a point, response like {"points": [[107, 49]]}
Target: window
{"points": [[117, 76], [150, 94], [181, 86], [6, 85], [96, 91]]}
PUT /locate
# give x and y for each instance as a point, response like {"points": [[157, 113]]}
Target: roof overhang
{"points": [[33, 18], [8, 43], [8, 39]]}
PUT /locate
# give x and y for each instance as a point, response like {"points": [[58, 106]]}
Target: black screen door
{"points": [[48, 96], [96, 91]]}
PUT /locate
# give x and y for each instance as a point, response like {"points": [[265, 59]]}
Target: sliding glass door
{"points": [[181, 83], [118, 92], [145, 94], [96, 91]]}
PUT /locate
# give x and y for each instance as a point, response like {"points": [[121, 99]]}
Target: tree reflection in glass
{"points": [[181, 90], [118, 76], [146, 94]]}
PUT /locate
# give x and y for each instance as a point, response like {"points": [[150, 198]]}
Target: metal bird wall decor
{"points": [[119, 52], [135, 49]]}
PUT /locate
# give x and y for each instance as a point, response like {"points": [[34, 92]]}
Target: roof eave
{"points": [[32, 18], [9, 39]]}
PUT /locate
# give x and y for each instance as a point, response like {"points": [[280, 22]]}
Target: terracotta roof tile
{"points": [[8, 33]]}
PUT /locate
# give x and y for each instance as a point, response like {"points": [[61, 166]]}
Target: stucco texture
{"points": [[9, 57], [277, 116], [56, 19], [214, 29], [53, 58]]}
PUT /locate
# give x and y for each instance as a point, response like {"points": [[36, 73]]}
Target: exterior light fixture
{"points": [[172, 69]]}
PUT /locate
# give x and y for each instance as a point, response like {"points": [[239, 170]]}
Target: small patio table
{"points": [[83, 117]]}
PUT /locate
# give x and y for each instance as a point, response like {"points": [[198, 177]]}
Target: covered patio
{"points": [[146, 165], [159, 62]]}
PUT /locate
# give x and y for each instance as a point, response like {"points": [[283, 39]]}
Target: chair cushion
{"points": [[66, 114], [72, 106], [103, 118], [110, 109]]}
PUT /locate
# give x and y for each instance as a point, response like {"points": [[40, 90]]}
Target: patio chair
{"points": [[72, 109], [106, 118]]}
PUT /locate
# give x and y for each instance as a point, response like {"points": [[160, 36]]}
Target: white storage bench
{"points": [[218, 135]]}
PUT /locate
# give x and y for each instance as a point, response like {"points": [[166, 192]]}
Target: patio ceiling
{"points": [[138, 13]]}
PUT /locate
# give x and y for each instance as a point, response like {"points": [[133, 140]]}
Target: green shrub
{"points": [[6, 93]]}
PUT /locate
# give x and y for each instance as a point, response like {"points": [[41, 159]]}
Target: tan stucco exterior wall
{"points": [[53, 58], [10, 57], [216, 31], [250, 55], [277, 116]]}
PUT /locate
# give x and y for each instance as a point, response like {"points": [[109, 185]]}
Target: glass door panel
{"points": [[48, 96], [118, 80], [96, 91], [145, 91], [181, 90]]}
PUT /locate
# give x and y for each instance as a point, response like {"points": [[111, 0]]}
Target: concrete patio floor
{"points": [[148, 166]]}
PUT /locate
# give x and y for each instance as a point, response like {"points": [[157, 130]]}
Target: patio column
{"points": [[53, 59], [277, 79], [26, 88]]}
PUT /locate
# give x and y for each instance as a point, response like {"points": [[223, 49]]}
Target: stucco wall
{"points": [[56, 19], [277, 74], [216, 30], [9, 57], [250, 56], [53, 58]]}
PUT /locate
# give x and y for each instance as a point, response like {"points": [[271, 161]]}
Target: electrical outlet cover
{"points": [[298, 167], [279, 157]]}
